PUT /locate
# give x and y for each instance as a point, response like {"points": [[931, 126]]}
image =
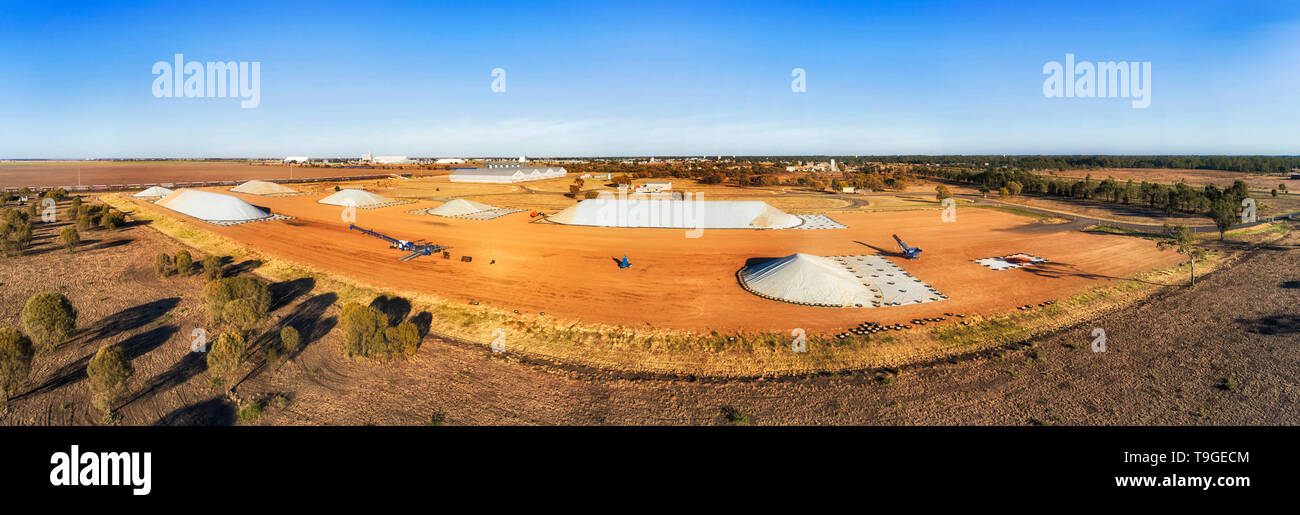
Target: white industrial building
{"points": [[391, 160], [654, 187], [507, 174], [450, 161], [297, 159]]}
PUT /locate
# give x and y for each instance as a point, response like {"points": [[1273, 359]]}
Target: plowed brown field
{"points": [[65, 173]]}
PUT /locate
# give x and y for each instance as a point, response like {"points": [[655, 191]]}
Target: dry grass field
{"points": [[1193, 177]]}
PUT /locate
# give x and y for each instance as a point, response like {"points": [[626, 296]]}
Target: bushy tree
{"points": [[49, 319], [15, 230], [363, 330], [1224, 215], [289, 339], [163, 265], [942, 192], [15, 362], [242, 315], [225, 356], [184, 262], [212, 267], [111, 219], [367, 333], [403, 338], [1014, 188], [237, 303], [70, 238], [110, 375]]}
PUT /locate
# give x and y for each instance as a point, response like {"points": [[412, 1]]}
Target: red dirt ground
{"points": [[570, 272]]}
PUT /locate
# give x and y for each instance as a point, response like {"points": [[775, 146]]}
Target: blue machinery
{"points": [[625, 263], [908, 252], [416, 248]]}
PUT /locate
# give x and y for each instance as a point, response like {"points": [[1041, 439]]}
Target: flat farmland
{"points": [[16, 174]]}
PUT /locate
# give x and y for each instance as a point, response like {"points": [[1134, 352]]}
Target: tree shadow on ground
{"points": [[308, 318], [128, 319], [1272, 324], [212, 412], [1125, 233], [134, 347], [395, 308], [108, 244], [243, 267], [1055, 270], [1290, 285], [189, 366], [423, 321], [285, 292]]}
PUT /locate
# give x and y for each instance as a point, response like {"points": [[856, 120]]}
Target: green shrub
{"points": [[736, 416], [289, 339], [363, 331], [70, 238], [49, 319], [403, 338], [250, 412], [163, 265], [15, 231], [15, 362], [366, 333], [112, 219], [254, 302], [225, 356], [212, 268], [84, 222], [184, 263], [242, 315], [110, 375]]}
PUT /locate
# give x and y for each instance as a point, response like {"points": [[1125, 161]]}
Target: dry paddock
{"points": [[683, 283]]}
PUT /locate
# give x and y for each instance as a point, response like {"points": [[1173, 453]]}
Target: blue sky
{"points": [[653, 78]]}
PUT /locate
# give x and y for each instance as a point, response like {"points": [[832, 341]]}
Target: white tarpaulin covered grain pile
{"points": [[676, 214], [356, 198], [807, 279], [153, 191], [460, 207], [212, 207], [256, 187]]}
